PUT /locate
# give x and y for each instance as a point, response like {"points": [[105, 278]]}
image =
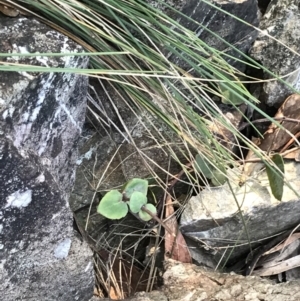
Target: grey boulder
{"points": [[41, 115]]}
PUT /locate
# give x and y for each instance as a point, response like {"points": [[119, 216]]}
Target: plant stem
{"points": [[158, 220], [262, 120]]}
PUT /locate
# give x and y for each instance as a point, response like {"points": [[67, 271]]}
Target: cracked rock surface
{"points": [[41, 115]]}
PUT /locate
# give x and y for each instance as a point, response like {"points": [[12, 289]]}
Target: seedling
{"points": [[116, 204]]}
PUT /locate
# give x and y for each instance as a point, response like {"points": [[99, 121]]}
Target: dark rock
{"points": [[281, 22], [217, 28], [263, 4], [41, 119], [213, 221]]}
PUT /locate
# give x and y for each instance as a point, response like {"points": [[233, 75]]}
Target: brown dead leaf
{"points": [[273, 258], [275, 138], [279, 267], [281, 258], [294, 154], [112, 294], [284, 244], [175, 247], [8, 10]]}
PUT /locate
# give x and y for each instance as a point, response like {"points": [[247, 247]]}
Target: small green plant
{"points": [[216, 173], [116, 204]]}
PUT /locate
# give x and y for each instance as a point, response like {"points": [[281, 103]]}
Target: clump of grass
{"points": [[130, 44], [136, 35]]}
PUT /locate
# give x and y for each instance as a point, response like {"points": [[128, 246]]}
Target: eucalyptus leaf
{"points": [[232, 93], [111, 206], [229, 97], [144, 215], [203, 166], [135, 185], [276, 178], [137, 200]]}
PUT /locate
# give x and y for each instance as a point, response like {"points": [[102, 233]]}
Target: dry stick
{"points": [[158, 220], [172, 183], [284, 150], [282, 153], [177, 177], [267, 120], [289, 143], [259, 252]]}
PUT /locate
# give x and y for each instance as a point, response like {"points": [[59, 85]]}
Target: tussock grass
{"points": [[130, 44]]}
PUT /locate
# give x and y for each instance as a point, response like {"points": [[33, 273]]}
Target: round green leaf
{"points": [[135, 185], [112, 206], [137, 200], [144, 215]]}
